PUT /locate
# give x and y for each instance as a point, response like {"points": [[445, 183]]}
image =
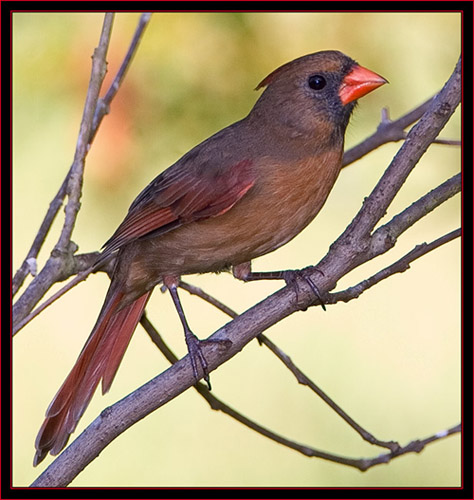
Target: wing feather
{"points": [[181, 195]]}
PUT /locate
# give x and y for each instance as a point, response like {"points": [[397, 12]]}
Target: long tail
{"points": [[99, 359]]}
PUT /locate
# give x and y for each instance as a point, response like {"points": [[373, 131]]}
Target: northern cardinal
{"points": [[240, 194]]}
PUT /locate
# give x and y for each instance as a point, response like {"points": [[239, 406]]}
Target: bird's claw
{"points": [[196, 354], [291, 278]]}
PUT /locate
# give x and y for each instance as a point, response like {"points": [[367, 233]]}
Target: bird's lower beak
{"points": [[358, 82]]}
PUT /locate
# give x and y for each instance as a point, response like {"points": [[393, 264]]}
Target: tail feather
{"points": [[120, 342], [99, 359]]}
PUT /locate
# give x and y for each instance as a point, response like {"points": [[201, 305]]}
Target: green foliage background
{"points": [[391, 358]]}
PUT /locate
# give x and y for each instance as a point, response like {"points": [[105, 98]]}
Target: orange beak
{"points": [[358, 82]]}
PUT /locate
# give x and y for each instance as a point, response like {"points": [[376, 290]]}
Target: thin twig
{"points": [[387, 131], [447, 142], [199, 292], [60, 265], [103, 104], [422, 207], [102, 108], [390, 131], [62, 254], [300, 376], [76, 174], [416, 446], [305, 380], [218, 405], [385, 237], [80, 276], [399, 266], [40, 238]]}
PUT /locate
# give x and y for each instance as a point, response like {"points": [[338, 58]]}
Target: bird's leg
{"points": [[244, 272], [193, 343]]}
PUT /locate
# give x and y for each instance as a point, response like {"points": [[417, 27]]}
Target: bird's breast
{"points": [[291, 196]]}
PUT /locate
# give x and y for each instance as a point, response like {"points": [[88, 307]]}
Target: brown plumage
{"points": [[240, 194]]}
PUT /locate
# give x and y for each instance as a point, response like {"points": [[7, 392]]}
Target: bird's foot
{"points": [[292, 276], [244, 272], [197, 356]]}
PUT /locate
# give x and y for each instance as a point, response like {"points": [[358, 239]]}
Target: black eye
{"points": [[317, 82]]}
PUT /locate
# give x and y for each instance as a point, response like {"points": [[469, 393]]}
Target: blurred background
{"points": [[391, 358]]}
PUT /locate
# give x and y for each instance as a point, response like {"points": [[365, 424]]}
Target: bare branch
{"points": [[61, 256], [83, 268], [390, 131], [305, 380], [218, 405], [60, 265], [74, 185], [40, 237], [102, 108], [103, 104], [447, 142], [300, 376], [386, 236], [117, 418], [387, 131], [399, 266], [194, 290], [416, 446]]}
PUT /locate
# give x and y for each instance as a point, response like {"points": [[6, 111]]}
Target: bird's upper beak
{"points": [[358, 82]]}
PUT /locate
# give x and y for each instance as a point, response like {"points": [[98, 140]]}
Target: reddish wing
{"points": [[181, 195]]}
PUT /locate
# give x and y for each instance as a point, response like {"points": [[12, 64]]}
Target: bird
{"points": [[240, 194]]}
